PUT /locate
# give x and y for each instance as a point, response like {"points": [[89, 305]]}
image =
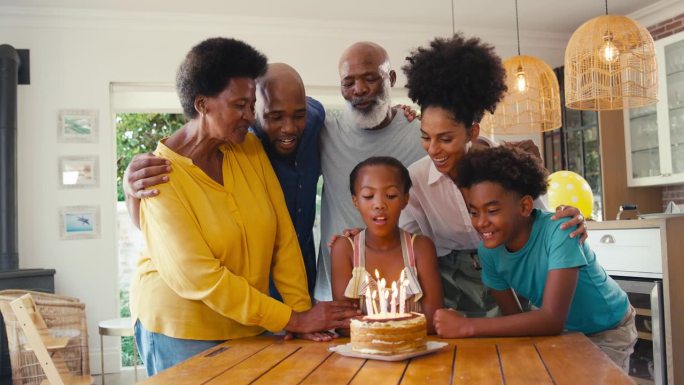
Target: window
{"points": [[575, 147], [143, 114]]}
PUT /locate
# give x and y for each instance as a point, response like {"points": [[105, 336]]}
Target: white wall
{"points": [[75, 56]]}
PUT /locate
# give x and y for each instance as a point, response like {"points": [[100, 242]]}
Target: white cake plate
{"points": [[346, 350]]}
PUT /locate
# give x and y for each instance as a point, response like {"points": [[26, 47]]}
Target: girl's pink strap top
{"points": [[358, 285]]}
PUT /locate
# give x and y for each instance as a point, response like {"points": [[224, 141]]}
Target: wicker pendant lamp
{"points": [[610, 64], [532, 102]]}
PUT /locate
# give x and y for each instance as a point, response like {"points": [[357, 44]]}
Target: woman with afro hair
{"points": [[454, 81], [523, 251]]}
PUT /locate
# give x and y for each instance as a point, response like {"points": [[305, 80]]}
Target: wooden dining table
{"points": [[565, 359]]}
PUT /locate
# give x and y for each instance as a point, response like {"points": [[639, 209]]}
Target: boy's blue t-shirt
{"points": [[599, 303]]}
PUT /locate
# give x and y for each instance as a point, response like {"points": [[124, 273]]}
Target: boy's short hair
{"points": [[381, 161], [512, 168]]}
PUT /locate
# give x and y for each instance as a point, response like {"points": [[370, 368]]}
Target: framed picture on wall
{"points": [[79, 222], [78, 171], [77, 126]]}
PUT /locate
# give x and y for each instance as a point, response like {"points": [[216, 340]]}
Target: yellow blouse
{"points": [[211, 248]]}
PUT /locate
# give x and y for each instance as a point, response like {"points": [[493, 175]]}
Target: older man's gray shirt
{"points": [[343, 146]]}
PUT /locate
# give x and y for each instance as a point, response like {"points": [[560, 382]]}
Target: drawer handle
{"points": [[607, 239]]}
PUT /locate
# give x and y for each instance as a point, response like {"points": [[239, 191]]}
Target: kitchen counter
{"points": [[625, 224]]}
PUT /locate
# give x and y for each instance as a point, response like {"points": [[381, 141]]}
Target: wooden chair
{"points": [[45, 346]]}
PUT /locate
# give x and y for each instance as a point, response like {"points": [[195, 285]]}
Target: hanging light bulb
{"points": [[532, 102], [520, 79], [609, 51]]}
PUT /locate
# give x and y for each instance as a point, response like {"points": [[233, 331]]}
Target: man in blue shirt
{"points": [[289, 126]]}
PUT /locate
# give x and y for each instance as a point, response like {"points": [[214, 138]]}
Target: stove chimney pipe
{"points": [[9, 67]]}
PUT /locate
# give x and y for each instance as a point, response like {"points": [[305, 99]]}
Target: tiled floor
{"points": [[125, 377]]}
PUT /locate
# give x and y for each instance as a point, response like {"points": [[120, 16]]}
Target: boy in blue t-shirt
{"points": [[523, 251]]}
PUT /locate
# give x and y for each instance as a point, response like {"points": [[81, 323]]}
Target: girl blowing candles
{"points": [[379, 188], [523, 251]]}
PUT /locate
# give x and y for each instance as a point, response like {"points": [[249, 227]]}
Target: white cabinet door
{"points": [[654, 135]]}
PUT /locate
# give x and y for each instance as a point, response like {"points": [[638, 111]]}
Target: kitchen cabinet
{"points": [[654, 135], [649, 251]]}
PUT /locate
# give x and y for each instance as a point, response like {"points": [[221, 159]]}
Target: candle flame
{"points": [[377, 274]]}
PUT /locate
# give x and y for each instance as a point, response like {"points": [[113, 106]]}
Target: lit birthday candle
{"points": [[382, 294], [377, 284], [386, 298], [369, 300], [393, 303], [402, 294], [375, 294]]}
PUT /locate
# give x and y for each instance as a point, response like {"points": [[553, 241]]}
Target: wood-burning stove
{"points": [[11, 277]]}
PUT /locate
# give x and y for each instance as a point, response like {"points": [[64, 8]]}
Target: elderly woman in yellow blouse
{"points": [[220, 226]]}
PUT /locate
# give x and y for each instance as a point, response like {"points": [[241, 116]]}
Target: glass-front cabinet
{"points": [[654, 135]]}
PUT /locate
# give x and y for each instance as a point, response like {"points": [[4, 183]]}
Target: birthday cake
{"points": [[389, 334]]}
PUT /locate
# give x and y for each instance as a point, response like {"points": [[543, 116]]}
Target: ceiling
{"points": [[558, 16]]}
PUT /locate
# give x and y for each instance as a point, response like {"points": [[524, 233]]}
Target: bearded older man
{"points": [[369, 126]]}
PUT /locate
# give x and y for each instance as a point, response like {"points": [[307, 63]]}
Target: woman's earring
{"points": [[468, 145]]}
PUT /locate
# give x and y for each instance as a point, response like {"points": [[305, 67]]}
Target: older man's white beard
{"points": [[375, 116]]}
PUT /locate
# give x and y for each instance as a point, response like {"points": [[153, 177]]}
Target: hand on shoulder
{"points": [[577, 219], [144, 171]]}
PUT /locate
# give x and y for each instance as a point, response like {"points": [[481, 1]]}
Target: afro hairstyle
{"points": [[463, 76], [209, 66], [512, 168]]}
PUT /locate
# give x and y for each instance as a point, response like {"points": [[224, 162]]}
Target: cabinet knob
{"points": [[607, 239]]}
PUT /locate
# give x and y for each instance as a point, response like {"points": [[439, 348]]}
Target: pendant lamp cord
{"points": [[517, 27], [606, 7], [453, 22]]}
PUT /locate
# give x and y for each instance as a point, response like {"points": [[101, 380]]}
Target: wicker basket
{"points": [[64, 316]]}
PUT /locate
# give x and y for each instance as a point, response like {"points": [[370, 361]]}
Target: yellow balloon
{"points": [[570, 189]]}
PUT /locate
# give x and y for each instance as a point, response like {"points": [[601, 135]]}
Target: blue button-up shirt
{"points": [[298, 176]]}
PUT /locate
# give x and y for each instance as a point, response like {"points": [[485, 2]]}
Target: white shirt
{"points": [[437, 209]]}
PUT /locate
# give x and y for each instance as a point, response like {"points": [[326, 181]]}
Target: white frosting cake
{"points": [[389, 334]]}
